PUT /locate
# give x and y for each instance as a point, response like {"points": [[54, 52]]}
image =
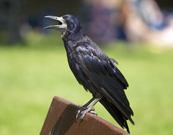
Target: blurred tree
{"points": [[9, 20]]}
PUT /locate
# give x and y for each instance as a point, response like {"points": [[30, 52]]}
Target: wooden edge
{"points": [[61, 120]]}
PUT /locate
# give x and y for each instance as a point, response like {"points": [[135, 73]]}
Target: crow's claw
{"points": [[79, 111], [83, 112]]}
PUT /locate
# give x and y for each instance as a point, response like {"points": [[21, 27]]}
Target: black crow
{"points": [[94, 70]]}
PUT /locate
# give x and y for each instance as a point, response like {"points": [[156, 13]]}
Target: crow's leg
{"points": [[84, 107], [89, 109], [89, 102]]}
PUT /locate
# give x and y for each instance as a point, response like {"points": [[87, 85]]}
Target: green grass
{"points": [[31, 76]]}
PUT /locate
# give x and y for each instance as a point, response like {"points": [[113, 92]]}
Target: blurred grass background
{"points": [[31, 76]]}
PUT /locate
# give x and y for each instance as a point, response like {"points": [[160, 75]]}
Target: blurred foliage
{"points": [[31, 76]]}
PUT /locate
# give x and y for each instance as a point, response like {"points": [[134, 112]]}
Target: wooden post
{"points": [[61, 120]]}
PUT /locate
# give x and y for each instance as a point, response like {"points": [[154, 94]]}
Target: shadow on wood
{"points": [[61, 120]]}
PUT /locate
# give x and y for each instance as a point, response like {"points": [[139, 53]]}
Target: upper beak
{"points": [[62, 26]]}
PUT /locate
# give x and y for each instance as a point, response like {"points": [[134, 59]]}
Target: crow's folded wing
{"points": [[103, 73]]}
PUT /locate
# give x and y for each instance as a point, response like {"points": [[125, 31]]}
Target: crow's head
{"points": [[65, 23]]}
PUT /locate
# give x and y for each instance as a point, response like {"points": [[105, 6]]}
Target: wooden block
{"points": [[61, 120]]}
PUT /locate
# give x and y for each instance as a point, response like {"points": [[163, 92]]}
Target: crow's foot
{"points": [[83, 112], [80, 110]]}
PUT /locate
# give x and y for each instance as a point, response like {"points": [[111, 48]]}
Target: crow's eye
{"points": [[71, 26]]}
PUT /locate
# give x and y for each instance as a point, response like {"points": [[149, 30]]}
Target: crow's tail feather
{"points": [[115, 113]]}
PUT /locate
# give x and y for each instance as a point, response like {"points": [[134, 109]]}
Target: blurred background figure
{"points": [[146, 23], [129, 20], [149, 12], [102, 20]]}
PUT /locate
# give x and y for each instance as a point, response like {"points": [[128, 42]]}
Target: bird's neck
{"points": [[71, 40], [74, 35]]}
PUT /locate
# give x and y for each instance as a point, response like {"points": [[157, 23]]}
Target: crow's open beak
{"points": [[61, 26]]}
